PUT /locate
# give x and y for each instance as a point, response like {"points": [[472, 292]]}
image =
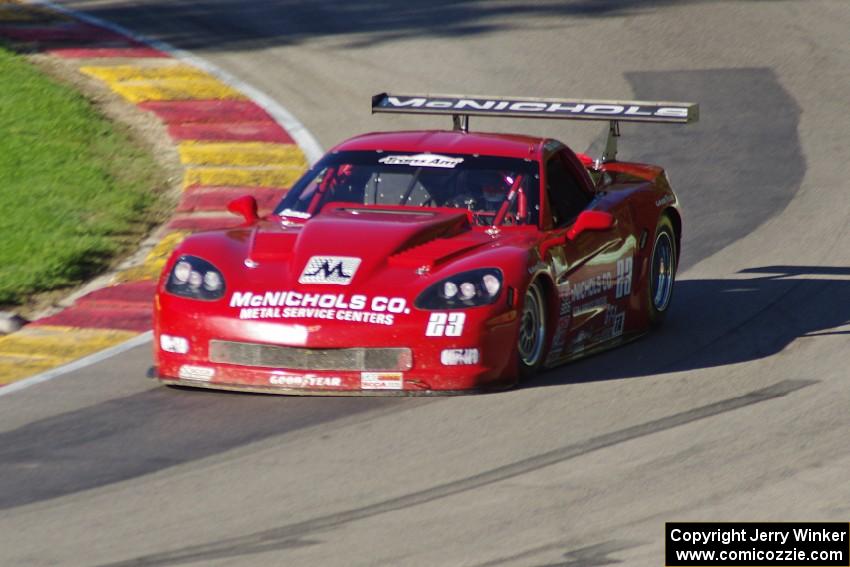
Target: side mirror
{"points": [[246, 207], [590, 220]]}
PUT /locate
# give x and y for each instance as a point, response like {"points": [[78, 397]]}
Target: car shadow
{"points": [[717, 322], [713, 322]]}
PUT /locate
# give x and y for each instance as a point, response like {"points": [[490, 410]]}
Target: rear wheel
{"points": [[531, 339], [662, 271]]}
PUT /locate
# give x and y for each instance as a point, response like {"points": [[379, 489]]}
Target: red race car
{"points": [[429, 262]]}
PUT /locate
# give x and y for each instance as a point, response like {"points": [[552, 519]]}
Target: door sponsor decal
{"points": [[565, 316], [619, 323], [445, 325], [603, 283], [580, 342], [594, 306], [337, 270], [665, 200], [591, 287], [615, 320]]}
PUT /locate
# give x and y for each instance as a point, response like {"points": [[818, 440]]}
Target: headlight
{"points": [[467, 289], [195, 278]]}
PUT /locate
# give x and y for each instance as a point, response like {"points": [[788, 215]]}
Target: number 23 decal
{"points": [[445, 325], [624, 277]]}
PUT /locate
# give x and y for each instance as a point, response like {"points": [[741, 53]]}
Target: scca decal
{"points": [[381, 381]]}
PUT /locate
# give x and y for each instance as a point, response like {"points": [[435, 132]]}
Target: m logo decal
{"points": [[338, 270]]}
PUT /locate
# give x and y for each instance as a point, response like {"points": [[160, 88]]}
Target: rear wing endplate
{"points": [[461, 107]]}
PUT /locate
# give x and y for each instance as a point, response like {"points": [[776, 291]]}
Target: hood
{"points": [[342, 239]]}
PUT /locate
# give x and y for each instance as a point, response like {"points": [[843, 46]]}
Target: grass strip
{"points": [[75, 189]]}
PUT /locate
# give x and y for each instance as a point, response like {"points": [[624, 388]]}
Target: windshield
{"points": [[498, 191]]}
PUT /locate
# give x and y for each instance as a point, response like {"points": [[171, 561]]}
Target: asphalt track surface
{"points": [[739, 409]]}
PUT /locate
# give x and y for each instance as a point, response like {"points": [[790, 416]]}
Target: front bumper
{"points": [[335, 359]]}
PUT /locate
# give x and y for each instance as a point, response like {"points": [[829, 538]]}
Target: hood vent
{"points": [[437, 251]]}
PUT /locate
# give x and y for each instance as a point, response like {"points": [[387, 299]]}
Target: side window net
{"points": [[566, 199]]}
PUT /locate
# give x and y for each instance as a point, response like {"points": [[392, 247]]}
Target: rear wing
{"points": [[461, 107]]}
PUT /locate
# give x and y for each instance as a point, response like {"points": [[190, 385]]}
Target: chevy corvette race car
{"points": [[427, 262]]}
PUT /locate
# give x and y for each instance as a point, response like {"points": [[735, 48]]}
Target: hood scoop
{"points": [[271, 244], [376, 234]]}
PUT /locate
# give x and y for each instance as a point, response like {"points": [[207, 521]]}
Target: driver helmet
{"points": [[494, 187]]}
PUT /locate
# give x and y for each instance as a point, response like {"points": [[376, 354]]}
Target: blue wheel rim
{"points": [[663, 271]]}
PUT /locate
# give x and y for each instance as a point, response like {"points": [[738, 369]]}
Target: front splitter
{"points": [[324, 392]]}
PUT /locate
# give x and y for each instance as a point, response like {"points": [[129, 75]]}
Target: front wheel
{"points": [[662, 272], [531, 339]]}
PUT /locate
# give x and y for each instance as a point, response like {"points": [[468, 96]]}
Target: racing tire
{"points": [[662, 272], [532, 334]]}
